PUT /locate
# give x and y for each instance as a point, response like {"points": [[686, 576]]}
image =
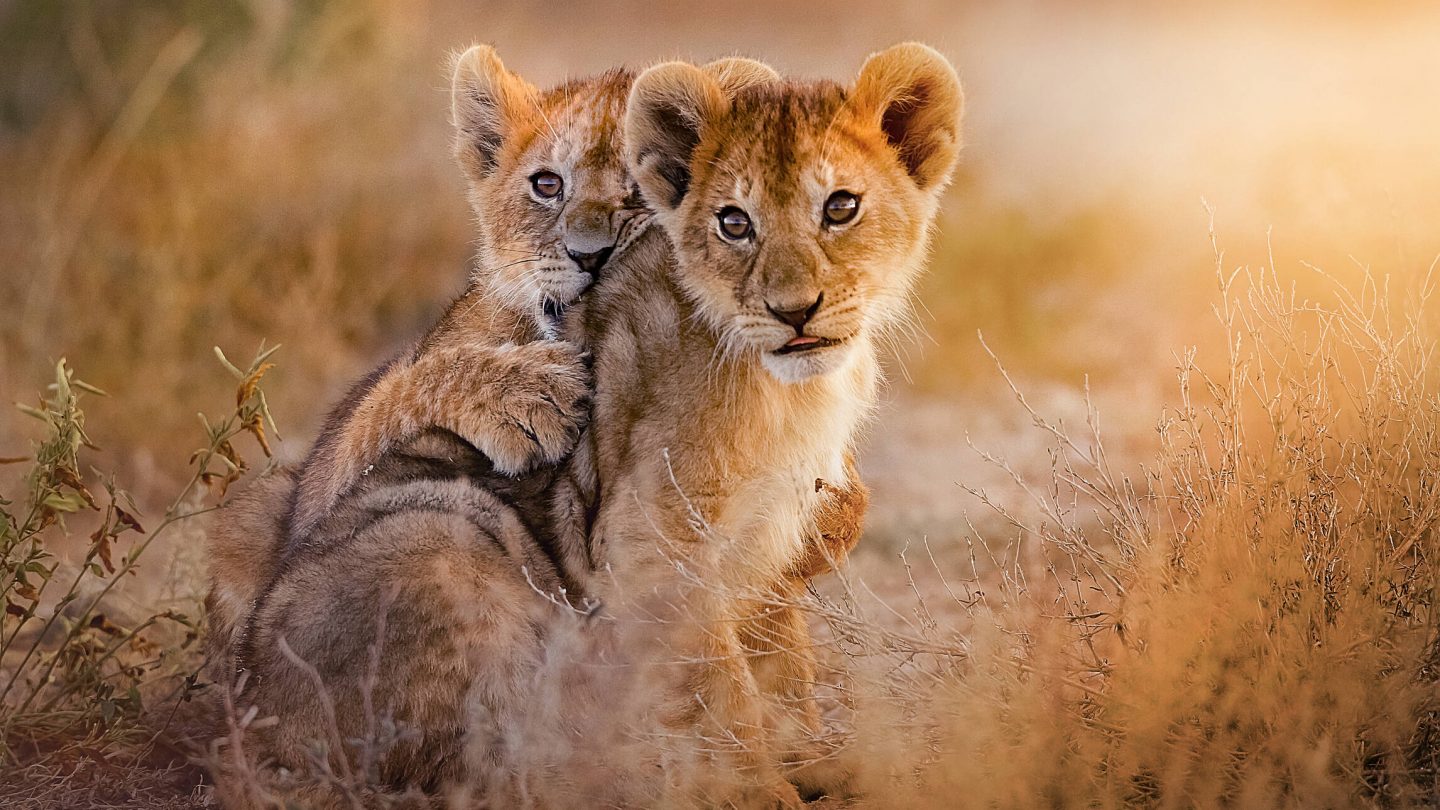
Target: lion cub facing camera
{"points": [[736, 360]]}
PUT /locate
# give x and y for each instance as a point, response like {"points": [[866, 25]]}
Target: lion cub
{"points": [[736, 360], [553, 203]]}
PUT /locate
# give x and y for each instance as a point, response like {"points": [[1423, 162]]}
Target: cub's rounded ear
{"points": [[912, 93], [487, 104], [669, 107], [737, 73]]}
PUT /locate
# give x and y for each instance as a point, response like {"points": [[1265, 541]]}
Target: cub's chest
{"points": [[745, 498]]}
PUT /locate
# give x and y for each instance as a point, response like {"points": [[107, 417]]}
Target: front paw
{"points": [[839, 522], [536, 409]]}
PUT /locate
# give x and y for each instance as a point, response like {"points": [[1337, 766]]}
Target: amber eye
{"points": [[841, 208], [547, 184], [734, 223]]}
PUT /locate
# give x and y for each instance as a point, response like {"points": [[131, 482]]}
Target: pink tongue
{"points": [[803, 340]]}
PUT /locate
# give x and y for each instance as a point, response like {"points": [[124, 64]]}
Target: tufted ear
{"points": [[736, 73], [487, 104], [912, 93], [669, 106]]}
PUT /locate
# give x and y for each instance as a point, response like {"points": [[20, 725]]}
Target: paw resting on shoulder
{"points": [[522, 406]]}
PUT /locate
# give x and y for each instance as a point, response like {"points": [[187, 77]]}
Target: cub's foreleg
{"points": [[782, 654], [521, 405]]}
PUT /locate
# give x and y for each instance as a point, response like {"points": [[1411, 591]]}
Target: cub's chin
{"points": [[793, 364], [564, 286]]}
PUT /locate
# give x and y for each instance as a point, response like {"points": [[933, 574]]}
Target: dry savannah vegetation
{"points": [[1190, 558]]}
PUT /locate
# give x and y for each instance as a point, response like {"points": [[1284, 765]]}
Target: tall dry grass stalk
{"points": [[1251, 622]]}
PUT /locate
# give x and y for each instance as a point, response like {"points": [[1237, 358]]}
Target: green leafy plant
{"points": [[74, 679]]}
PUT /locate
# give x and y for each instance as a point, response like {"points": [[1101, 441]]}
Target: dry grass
{"points": [[1246, 619], [198, 173], [1250, 622]]}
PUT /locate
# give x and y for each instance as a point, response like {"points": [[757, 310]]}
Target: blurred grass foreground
{"points": [[1193, 562]]}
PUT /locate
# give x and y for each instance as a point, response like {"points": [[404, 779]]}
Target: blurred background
{"points": [[180, 174]]}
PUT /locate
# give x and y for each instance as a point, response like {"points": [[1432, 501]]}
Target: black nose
{"points": [[797, 318], [590, 262]]}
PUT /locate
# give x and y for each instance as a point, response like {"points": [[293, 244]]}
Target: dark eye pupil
{"points": [[547, 184], [735, 223], [841, 207]]}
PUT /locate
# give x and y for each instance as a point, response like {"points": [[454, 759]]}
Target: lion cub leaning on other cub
{"points": [[735, 362], [551, 211]]}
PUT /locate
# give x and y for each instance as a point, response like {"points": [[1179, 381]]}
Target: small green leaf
{"points": [[63, 502]]}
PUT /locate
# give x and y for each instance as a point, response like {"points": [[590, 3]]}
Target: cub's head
{"points": [[548, 183], [799, 211]]}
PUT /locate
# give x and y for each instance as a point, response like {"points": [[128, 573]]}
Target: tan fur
{"points": [[243, 545], [708, 442], [484, 374]]}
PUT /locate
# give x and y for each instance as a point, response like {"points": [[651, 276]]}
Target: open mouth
{"points": [[805, 343]]}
